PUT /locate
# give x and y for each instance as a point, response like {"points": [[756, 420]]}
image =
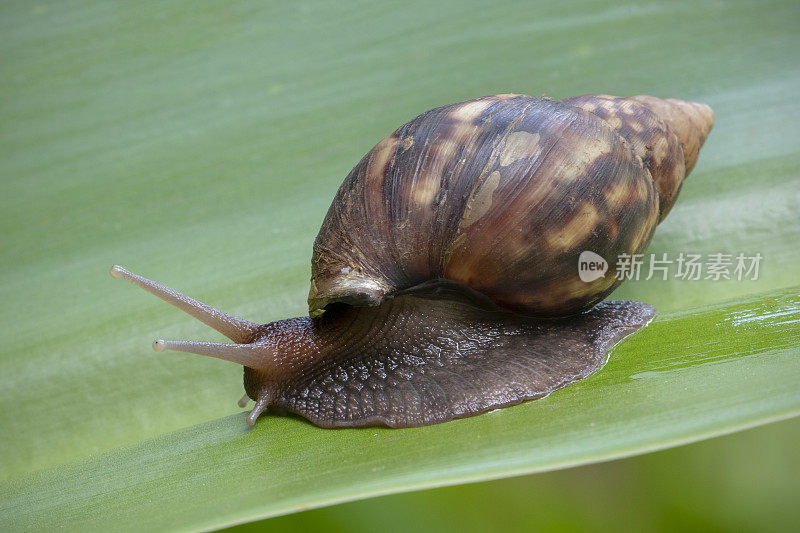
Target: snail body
{"points": [[445, 276]]}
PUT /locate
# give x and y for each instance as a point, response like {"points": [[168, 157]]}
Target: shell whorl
{"points": [[665, 134], [501, 194]]}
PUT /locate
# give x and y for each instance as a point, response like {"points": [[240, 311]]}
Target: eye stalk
{"points": [[236, 329], [245, 350]]}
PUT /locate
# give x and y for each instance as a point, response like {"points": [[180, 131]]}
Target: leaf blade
{"points": [[202, 145], [220, 473]]}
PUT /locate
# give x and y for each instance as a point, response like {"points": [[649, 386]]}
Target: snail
{"points": [[445, 278]]}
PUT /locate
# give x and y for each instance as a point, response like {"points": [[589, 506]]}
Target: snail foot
{"points": [[462, 362]]}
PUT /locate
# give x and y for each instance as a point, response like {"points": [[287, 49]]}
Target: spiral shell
{"points": [[668, 147], [502, 194]]}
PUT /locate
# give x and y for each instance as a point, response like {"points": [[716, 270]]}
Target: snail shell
{"points": [[501, 194], [445, 243]]}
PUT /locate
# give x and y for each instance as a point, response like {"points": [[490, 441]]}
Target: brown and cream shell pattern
{"points": [[502, 194]]}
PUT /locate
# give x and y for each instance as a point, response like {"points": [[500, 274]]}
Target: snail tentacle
{"points": [[261, 405], [236, 329], [251, 355]]}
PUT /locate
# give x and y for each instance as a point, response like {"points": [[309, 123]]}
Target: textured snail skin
{"points": [[399, 370], [445, 279]]}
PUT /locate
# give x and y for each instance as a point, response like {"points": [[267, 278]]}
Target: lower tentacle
{"points": [[261, 405]]}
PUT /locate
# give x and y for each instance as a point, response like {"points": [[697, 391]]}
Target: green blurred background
{"points": [[201, 143]]}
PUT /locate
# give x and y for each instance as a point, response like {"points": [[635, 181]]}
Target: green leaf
{"points": [[688, 376], [201, 145]]}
